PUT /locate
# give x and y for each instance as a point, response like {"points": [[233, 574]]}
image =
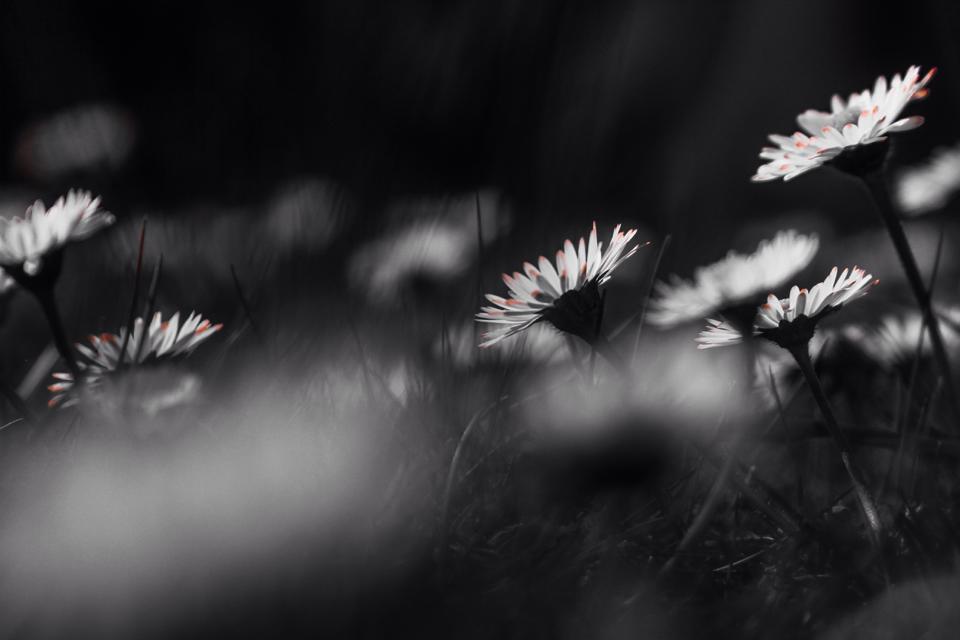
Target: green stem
{"points": [[877, 187], [867, 506]]}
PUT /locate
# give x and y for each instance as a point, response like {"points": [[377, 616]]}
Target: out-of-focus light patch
{"points": [[90, 137], [873, 251], [541, 344], [143, 398], [121, 538], [895, 341], [674, 389], [437, 250], [929, 186], [405, 382], [919, 608], [304, 215], [198, 240], [6, 282], [434, 239]]}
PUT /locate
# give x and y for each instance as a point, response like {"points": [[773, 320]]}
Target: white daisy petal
{"points": [[866, 118], [102, 355], [25, 241], [578, 265]]}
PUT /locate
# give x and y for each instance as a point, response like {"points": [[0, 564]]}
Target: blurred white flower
{"points": [[863, 119], [305, 214], [161, 339], [431, 248], [541, 344], [732, 281], [430, 239], [81, 138], [567, 296], [896, 341], [930, 185], [718, 333], [25, 241]]}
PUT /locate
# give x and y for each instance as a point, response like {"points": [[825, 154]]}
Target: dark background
{"points": [[655, 110]]}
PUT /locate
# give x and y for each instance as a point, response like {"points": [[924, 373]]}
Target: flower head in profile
{"points": [[791, 321], [25, 242], [929, 186], [848, 134], [566, 295], [736, 280], [161, 339]]}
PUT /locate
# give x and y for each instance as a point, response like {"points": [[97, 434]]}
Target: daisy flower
{"points": [[790, 323], [735, 280], [792, 320], [25, 241], [160, 340], [929, 186], [844, 134], [567, 295]]}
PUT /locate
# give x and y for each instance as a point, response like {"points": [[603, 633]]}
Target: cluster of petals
{"points": [[24, 241], [734, 279], [539, 287], [864, 118], [834, 291], [106, 352], [718, 333]]}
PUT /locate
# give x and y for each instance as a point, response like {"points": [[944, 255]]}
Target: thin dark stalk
{"points": [[797, 463], [597, 331], [150, 303], [867, 506], [49, 305], [480, 260], [16, 402], [649, 292], [244, 304], [131, 315], [877, 187]]}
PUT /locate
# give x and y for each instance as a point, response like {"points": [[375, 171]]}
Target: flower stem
{"points": [[45, 297], [877, 186], [868, 508]]}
